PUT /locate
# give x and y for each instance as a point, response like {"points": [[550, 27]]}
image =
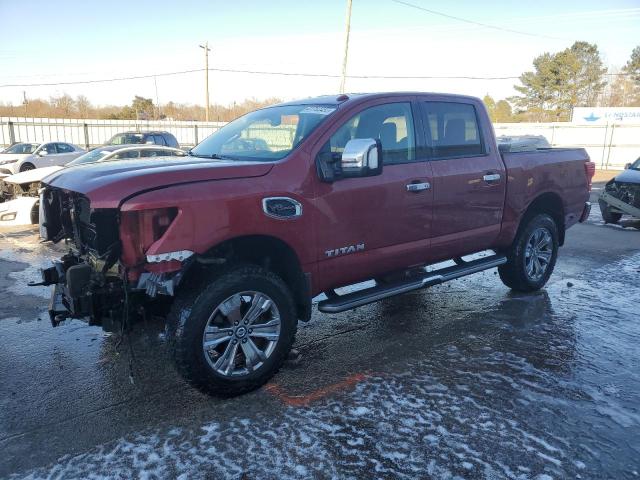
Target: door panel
{"points": [[50, 158], [469, 181], [385, 218]]}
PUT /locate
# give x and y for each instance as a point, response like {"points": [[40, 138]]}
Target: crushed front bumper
{"points": [[80, 291], [618, 205]]}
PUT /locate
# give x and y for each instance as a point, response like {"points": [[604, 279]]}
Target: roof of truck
{"points": [[341, 98]]}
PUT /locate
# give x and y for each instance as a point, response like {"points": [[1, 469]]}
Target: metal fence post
{"points": [[195, 134], [12, 134], [604, 145], [613, 126], [85, 127]]}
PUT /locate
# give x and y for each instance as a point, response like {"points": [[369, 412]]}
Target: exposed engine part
{"points": [[620, 198], [627, 192], [157, 284]]}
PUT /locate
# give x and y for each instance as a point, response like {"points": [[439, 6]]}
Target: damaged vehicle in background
{"points": [[19, 198], [621, 195]]}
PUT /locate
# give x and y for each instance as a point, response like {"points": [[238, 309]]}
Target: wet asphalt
{"points": [[464, 380]]}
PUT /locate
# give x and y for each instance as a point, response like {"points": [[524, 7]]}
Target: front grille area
{"points": [[627, 192], [68, 215], [7, 191]]}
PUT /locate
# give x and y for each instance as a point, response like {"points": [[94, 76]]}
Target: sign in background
{"points": [[600, 115]]}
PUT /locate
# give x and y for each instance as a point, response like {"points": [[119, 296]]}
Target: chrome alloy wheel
{"points": [[538, 252], [241, 333]]}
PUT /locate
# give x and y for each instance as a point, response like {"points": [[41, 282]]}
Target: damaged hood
{"points": [[628, 176], [30, 176], [108, 184]]}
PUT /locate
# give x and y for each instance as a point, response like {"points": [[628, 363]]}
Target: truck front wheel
{"points": [[232, 334], [532, 256]]}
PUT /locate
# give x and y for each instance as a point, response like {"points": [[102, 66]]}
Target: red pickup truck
{"points": [[295, 200]]}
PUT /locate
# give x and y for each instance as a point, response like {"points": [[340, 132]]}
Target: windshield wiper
{"points": [[213, 156]]}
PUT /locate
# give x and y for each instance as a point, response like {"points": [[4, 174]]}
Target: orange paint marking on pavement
{"points": [[304, 400]]}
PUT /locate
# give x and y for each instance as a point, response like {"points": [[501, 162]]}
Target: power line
{"points": [[286, 74], [473, 22], [102, 80]]}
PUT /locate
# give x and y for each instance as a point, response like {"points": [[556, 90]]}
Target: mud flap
{"points": [[585, 212]]}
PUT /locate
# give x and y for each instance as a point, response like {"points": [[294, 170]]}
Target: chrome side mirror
{"points": [[362, 157], [627, 166], [43, 152]]}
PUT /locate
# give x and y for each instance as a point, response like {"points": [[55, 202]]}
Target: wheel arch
{"points": [[24, 163], [271, 253], [551, 204]]}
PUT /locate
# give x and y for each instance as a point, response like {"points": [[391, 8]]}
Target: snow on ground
{"points": [[35, 256], [541, 400]]}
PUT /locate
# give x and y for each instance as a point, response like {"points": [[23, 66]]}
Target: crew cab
{"points": [[299, 199]]}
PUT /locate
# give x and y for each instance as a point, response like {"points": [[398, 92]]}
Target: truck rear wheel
{"points": [[232, 334], [607, 215], [532, 256]]}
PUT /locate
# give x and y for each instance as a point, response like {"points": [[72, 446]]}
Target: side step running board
{"points": [[341, 303]]}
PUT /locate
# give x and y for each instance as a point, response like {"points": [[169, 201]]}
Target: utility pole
{"points": [[206, 77], [25, 102], [346, 47], [155, 83]]}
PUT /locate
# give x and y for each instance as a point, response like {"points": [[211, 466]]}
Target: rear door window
{"points": [[452, 130], [159, 140]]}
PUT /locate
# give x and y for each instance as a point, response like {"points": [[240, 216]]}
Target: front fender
{"points": [[209, 213]]}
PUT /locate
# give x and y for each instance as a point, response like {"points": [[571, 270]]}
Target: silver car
{"points": [[27, 156], [125, 152]]}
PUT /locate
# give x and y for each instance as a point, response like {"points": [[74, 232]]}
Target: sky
{"points": [[73, 40]]}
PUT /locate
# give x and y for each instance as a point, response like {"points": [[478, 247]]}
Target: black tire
{"points": [[27, 166], [35, 213], [190, 315], [515, 274], [607, 215]]}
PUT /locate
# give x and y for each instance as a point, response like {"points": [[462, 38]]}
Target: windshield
{"points": [[89, 157], [22, 148], [635, 165], [265, 135], [126, 138]]}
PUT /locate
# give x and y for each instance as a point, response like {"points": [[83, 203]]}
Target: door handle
{"points": [[491, 177], [418, 187]]}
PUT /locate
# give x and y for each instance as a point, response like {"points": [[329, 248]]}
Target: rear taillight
{"points": [[140, 229], [590, 171]]}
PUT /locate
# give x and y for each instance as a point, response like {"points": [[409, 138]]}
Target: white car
{"points": [[27, 156]]}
